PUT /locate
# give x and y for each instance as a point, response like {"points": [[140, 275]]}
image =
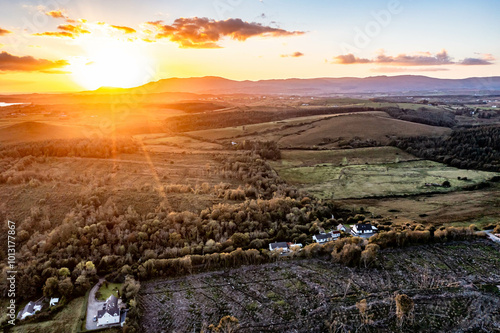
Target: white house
{"points": [[363, 229], [278, 246], [341, 227], [30, 309], [110, 314], [326, 237], [53, 301]]}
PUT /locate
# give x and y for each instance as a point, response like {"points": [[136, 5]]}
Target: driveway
{"points": [[93, 306]]}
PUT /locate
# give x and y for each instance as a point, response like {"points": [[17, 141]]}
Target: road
{"points": [[93, 306]]}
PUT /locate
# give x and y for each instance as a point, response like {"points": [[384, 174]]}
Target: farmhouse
{"points": [[110, 314], [281, 246], [363, 230], [30, 309], [326, 237]]}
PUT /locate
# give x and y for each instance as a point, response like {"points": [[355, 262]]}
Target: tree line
{"points": [[474, 148]]}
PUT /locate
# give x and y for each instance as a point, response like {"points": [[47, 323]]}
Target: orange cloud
{"points": [[4, 32], [74, 29], [56, 34], [205, 33], [67, 30], [293, 55], [126, 30], [9, 62], [56, 14]]}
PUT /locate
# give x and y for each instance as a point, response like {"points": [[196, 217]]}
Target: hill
{"points": [[37, 131], [323, 86]]}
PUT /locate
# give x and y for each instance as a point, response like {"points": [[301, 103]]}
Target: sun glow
{"points": [[120, 65]]}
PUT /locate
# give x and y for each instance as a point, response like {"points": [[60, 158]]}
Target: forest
{"points": [[474, 148]]}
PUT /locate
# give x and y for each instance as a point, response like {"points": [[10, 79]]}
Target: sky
{"points": [[75, 45]]}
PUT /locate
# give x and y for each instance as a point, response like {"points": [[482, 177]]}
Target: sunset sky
{"points": [[74, 45]]}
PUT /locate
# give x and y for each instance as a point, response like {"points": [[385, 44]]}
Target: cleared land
{"points": [[342, 176], [446, 282]]}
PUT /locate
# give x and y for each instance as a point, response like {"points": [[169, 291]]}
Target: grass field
{"points": [[461, 208], [383, 173], [108, 289], [65, 321], [329, 133]]}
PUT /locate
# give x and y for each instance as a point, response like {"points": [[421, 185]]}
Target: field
{"points": [[323, 131], [371, 172], [65, 321], [108, 289], [446, 282], [461, 208]]}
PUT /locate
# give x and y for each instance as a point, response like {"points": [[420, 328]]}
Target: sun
{"points": [[119, 66]]}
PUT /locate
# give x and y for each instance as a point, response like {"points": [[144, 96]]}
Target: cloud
{"points": [[126, 30], [293, 55], [419, 59], [74, 29], [4, 32], [205, 33], [9, 62], [56, 34], [348, 59], [67, 30], [56, 13], [486, 59]]}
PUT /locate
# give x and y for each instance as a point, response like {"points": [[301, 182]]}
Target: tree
{"points": [[227, 324], [130, 288], [64, 272], [404, 307], [50, 287], [65, 287]]}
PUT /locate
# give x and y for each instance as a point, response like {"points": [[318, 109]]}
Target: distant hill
{"points": [[322, 86], [37, 131]]}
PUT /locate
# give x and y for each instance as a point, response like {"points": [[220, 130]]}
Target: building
{"points": [[363, 230], [53, 301], [30, 309], [294, 246], [278, 246], [110, 314], [326, 237], [341, 227]]}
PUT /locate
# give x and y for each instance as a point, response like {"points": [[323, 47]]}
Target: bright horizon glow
{"points": [[118, 66]]}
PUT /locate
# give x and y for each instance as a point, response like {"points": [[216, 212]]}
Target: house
{"points": [[53, 301], [110, 314], [326, 237], [278, 246], [363, 230], [30, 309], [341, 227], [296, 246]]}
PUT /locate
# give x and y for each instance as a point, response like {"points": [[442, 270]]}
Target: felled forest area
{"points": [[431, 288]]}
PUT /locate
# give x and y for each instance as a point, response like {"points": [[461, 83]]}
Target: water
{"points": [[2, 104]]}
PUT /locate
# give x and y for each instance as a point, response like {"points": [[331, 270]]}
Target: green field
{"points": [[380, 173], [65, 321], [107, 289]]}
